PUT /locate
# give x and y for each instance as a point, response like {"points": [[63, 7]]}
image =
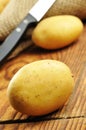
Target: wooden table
{"points": [[73, 115]]}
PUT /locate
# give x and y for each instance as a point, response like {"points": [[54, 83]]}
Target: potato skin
{"points": [[3, 4], [57, 31], [40, 87]]}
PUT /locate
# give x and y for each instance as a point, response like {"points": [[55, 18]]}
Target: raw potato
{"points": [[57, 31], [3, 4], [40, 87]]}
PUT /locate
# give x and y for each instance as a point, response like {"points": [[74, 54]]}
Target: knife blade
{"points": [[34, 15]]}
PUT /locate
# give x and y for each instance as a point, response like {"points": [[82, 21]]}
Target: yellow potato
{"points": [[57, 31], [3, 4], [40, 87]]}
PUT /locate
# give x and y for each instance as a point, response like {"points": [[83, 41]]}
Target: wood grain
{"points": [[64, 124], [73, 115]]}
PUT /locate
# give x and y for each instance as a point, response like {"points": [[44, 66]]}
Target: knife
{"points": [[34, 16]]}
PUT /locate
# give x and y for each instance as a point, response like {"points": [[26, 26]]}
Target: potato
{"points": [[3, 4], [57, 31], [40, 87]]}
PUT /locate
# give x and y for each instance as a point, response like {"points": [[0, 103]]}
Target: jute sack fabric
{"points": [[73, 7], [16, 10], [11, 16]]}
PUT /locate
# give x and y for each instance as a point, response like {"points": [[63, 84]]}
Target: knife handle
{"points": [[16, 35], [12, 40], [19, 31]]}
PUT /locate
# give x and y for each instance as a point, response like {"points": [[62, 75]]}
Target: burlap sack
{"points": [[16, 10], [73, 7]]}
